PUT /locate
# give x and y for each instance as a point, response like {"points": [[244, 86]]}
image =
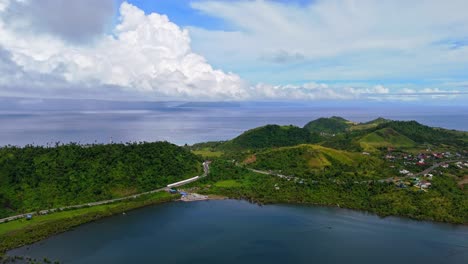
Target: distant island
{"points": [[399, 168]]}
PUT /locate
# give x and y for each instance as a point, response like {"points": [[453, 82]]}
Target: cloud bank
{"points": [[338, 39], [146, 55], [73, 21], [48, 49]]}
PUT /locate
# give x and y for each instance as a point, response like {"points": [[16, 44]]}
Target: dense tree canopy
{"points": [[425, 134], [271, 136], [444, 202], [328, 125], [35, 177]]}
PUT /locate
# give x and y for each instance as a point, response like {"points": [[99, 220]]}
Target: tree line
{"points": [[38, 177]]}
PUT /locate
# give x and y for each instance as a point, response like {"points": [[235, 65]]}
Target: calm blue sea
{"points": [[191, 124]]}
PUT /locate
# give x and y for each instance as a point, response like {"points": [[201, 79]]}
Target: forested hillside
{"points": [[329, 125], [342, 134], [271, 136], [444, 202], [425, 134], [34, 177]]}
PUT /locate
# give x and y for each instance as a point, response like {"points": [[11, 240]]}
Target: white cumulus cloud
{"points": [[146, 54]]}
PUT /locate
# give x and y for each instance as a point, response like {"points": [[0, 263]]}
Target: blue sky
{"points": [[236, 50], [184, 14], [181, 13]]}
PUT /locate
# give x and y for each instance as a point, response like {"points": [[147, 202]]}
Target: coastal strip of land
{"points": [[17, 231], [134, 196]]}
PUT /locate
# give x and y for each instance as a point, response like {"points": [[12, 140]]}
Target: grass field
{"points": [[208, 153], [228, 184], [43, 219], [385, 138], [315, 156]]}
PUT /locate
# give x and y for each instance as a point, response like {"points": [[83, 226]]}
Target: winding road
{"points": [[426, 171], [206, 170]]}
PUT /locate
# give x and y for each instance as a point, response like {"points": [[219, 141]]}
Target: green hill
{"points": [[385, 137], [381, 132], [270, 136], [35, 177], [423, 134], [377, 121], [303, 160], [330, 125], [371, 124], [339, 133]]}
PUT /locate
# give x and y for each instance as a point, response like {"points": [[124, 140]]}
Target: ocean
{"points": [[192, 123]]}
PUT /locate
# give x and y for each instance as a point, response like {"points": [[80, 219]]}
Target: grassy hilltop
{"points": [[314, 161]]}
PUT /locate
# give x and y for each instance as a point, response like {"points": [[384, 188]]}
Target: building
{"points": [[425, 184], [429, 176], [404, 171]]}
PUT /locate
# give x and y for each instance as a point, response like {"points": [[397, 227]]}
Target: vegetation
{"points": [[207, 153], [34, 178], [371, 124], [385, 137], [338, 133], [206, 146], [445, 202], [23, 232], [330, 125], [331, 161], [425, 134], [227, 184], [350, 165], [312, 161], [271, 136]]}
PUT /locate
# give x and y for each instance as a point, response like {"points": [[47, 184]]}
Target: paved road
{"points": [[206, 170], [426, 171], [275, 174]]}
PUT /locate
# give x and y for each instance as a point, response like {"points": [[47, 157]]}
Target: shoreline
{"points": [[32, 233], [363, 211], [195, 197], [122, 209], [145, 203], [255, 201]]}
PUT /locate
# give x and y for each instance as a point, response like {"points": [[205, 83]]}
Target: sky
{"points": [[237, 50]]}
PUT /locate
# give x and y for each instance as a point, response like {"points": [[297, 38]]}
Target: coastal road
{"points": [[426, 171], [206, 170], [275, 174]]}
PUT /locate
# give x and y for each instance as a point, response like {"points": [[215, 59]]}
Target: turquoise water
{"points": [[231, 231]]}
